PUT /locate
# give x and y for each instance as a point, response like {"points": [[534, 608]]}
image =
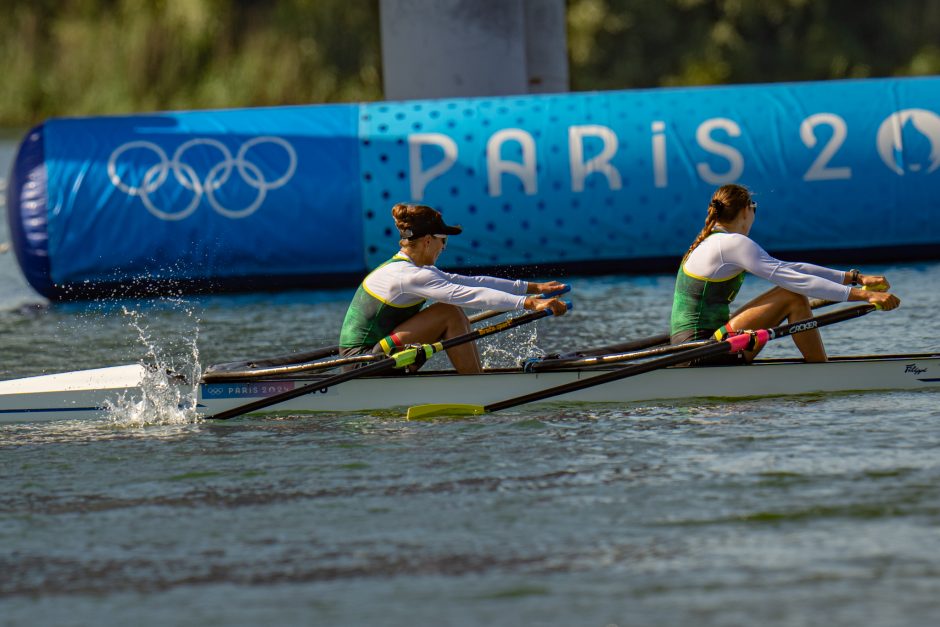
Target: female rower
{"points": [[386, 311], [712, 272]]}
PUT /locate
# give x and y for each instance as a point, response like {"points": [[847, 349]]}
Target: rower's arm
{"points": [[801, 278], [430, 283], [871, 282]]}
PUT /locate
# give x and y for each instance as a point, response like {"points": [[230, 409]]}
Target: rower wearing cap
{"points": [[386, 312]]}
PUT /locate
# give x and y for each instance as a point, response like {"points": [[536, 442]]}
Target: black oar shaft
{"points": [[301, 362], [378, 367], [641, 348], [294, 362], [614, 375], [622, 347], [615, 358], [691, 354], [291, 369], [271, 362]]}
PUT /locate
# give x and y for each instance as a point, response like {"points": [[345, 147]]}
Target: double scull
{"points": [[86, 394]]}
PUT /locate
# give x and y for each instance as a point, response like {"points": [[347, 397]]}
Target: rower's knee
{"points": [[455, 316], [801, 303], [794, 302]]}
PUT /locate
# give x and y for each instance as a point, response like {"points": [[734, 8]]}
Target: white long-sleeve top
{"points": [[723, 255], [404, 284]]}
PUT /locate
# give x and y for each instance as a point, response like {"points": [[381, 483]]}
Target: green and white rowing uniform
{"points": [[398, 289], [711, 276], [701, 305]]}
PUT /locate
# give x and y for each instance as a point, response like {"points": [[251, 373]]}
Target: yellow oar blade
{"points": [[435, 410]]}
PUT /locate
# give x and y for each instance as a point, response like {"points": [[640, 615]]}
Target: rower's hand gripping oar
{"points": [[295, 363], [816, 303], [744, 340], [411, 355]]}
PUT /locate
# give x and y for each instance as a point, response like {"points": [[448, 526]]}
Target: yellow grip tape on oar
{"points": [[880, 287], [416, 354], [438, 410]]}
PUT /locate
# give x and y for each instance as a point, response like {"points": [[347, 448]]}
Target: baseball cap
{"points": [[430, 223]]}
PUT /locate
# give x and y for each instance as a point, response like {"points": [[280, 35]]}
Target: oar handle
{"points": [[486, 315], [502, 326], [562, 290]]}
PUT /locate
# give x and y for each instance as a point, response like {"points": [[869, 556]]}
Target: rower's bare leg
{"points": [[442, 322], [773, 307]]}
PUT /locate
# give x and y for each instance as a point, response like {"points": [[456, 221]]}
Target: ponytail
{"points": [[725, 204], [710, 221]]}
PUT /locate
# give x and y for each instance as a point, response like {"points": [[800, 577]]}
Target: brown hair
{"points": [[408, 216], [726, 203], [414, 221]]}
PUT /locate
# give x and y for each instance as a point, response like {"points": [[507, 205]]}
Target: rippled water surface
{"points": [[815, 510]]}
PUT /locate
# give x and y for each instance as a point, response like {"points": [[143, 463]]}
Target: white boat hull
{"points": [[83, 394]]}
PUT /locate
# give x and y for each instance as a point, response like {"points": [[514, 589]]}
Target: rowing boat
{"points": [[86, 394]]}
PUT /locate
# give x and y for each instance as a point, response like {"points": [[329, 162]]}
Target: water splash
{"points": [[167, 392], [510, 348]]}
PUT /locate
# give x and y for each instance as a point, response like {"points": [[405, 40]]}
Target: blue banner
{"points": [[594, 178], [204, 194], [628, 175]]}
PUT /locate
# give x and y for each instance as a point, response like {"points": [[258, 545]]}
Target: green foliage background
{"points": [[93, 57]]}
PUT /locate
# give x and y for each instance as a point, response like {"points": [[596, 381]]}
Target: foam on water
{"points": [[168, 390]]}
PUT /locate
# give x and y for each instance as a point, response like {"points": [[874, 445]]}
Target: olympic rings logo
{"points": [[207, 187]]}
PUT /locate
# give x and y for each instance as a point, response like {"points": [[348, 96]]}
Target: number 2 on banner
{"points": [[818, 171]]}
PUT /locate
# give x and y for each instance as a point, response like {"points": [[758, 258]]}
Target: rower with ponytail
{"points": [[713, 269], [725, 204]]}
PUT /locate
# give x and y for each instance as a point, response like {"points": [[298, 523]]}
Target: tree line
{"points": [[96, 57]]}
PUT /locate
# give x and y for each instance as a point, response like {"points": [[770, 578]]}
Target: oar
{"points": [[644, 348], [217, 376], [620, 347], [236, 368], [542, 365], [404, 358], [292, 363], [743, 341], [631, 350]]}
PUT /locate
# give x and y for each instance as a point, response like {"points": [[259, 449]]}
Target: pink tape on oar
{"points": [[761, 337], [749, 340], [739, 342]]}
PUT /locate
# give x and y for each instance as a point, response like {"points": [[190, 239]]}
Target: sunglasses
{"points": [[443, 239], [753, 206]]}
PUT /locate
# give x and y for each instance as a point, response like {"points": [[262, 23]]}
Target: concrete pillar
{"points": [[546, 46], [464, 48]]}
